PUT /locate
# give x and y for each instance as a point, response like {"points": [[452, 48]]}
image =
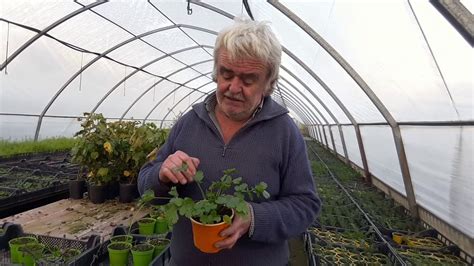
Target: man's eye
{"points": [[226, 75], [249, 81]]}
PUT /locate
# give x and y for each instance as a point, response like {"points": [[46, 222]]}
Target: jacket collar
{"points": [[267, 109]]}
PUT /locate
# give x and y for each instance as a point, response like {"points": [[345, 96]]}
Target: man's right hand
{"points": [[169, 173]]}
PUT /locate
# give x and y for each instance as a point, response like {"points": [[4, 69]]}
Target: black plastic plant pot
{"points": [[97, 193], [76, 189], [128, 192], [112, 190]]}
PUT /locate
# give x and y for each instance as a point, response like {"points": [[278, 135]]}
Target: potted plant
{"points": [[77, 186], [94, 150], [142, 254], [16, 243], [134, 146], [161, 225], [215, 211], [29, 253], [118, 253], [160, 243]]}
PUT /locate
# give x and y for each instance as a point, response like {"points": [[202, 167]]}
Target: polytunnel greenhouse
{"points": [[381, 91]]}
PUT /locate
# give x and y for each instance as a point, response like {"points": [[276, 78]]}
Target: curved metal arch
{"points": [[142, 67], [321, 135], [310, 102], [137, 99], [40, 119], [343, 108], [304, 107], [169, 93], [397, 136], [317, 110], [298, 111], [174, 72], [47, 29], [315, 129], [185, 110], [325, 108], [176, 104], [303, 119], [311, 116]]}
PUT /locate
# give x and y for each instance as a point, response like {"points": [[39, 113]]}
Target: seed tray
{"points": [[428, 240], [100, 255], [47, 162], [17, 200], [364, 239], [42, 156], [352, 223], [12, 231], [321, 253]]}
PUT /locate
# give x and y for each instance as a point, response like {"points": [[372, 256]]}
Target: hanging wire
{"points": [[6, 52], [434, 59], [125, 79], [80, 76], [189, 9], [154, 89]]}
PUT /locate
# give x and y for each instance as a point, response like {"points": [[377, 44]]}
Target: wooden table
{"points": [[77, 219]]}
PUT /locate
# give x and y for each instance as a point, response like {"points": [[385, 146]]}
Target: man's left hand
{"points": [[240, 226]]}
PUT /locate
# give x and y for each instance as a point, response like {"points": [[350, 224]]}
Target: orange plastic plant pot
{"points": [[206, 235]]}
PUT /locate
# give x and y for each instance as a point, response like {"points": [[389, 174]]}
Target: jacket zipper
{"points": [[223, 150]]}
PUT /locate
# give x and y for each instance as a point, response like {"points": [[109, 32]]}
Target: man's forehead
{"points": [[245, 65]]}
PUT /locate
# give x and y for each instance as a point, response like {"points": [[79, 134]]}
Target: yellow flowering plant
{"points": [[93, 149], [115, 151]]}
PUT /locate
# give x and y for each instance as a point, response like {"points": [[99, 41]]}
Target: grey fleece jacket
{"points": [[268, 148]]}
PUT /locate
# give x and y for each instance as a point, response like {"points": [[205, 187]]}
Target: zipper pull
{"points": [[223, 151]]}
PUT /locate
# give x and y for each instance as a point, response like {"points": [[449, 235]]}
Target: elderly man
{"points": [[240, 126]]}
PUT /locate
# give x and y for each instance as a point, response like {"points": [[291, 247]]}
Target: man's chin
{"points": [[235, 116]]}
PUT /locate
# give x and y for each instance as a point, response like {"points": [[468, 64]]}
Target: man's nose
{"points": [[235, 85]]}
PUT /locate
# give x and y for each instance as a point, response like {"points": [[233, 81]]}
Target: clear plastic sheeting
{"points": [[395, 61], [17, 128], [382, 158], [352, 145], [337, 140], [441, 163], [65, 126], [394, 58]]}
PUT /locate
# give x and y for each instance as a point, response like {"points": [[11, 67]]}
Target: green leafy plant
{"points": [[115, 151], [216, 203]]}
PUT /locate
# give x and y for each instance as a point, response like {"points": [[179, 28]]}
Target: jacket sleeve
{"points": [[148, 176], [297, 204]]}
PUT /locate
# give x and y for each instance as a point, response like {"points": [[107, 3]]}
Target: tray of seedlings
{"points": [[129, 247], [18, 247], [53, 162], [426, 247], [21, 187], [337, 246], [414, 243]]}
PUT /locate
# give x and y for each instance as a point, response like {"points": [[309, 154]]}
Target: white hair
{"points": [[250, 39]]}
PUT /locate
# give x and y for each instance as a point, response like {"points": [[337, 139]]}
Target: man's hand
{"points": [[169, 169], [239, 227]]}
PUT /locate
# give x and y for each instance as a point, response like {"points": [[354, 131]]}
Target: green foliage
{"points": [[216, 203], [11, 148], [115, 150]]}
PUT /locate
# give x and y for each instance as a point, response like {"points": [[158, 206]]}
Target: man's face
{"points": [[241, 85]]}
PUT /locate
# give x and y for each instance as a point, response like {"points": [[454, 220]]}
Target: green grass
{"points": [[11, 148]]}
